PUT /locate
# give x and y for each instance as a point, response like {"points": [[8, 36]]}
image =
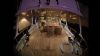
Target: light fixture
{"points": [[23, 13], [70, 16], [43, 13], [27, 15], [74, 18], [23, 19]]}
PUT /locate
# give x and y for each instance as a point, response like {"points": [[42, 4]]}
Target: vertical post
{"points": [[77, 4], [79, 19], [79, 22], [69, 32], [39, 2], [48, 2], [80, 26], [57, 2], [32, 17], [80, 34]]}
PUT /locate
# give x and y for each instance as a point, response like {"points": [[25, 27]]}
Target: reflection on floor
{"points": [[42, 45]]}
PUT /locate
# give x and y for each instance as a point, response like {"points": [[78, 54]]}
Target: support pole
{"points": [[32, 18]]}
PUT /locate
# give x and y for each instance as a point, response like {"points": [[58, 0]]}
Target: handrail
{"points": [[75, 33], [26, 28], [18, 37], [22, 40]]}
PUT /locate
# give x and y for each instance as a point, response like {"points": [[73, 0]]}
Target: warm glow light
{"points": [[23, 20], [74, 18], [23, 23], [63, 15], [42, 13], [42, 18], [27, 15], [70, 16], [23, 13]]}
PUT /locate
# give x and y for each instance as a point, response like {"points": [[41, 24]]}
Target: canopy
{"points": [[67, 5]]}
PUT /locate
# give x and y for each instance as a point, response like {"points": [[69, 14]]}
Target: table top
{"points": [[52, 24]]}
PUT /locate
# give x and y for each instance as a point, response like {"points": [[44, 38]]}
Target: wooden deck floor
{"points": [[42, 45]]}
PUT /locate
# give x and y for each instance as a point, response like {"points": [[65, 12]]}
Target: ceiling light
{"points": [[23, 19], [74, 18], [23, 13]]}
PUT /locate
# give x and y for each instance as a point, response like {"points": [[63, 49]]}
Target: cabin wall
{"points": [[24, 22]]}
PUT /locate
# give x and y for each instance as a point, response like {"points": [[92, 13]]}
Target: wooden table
{"points": [[53, 29]]}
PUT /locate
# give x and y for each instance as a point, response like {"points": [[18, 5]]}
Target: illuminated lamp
{"points": [[23, 19], [27, 15], [23, 13], [74, 18]]}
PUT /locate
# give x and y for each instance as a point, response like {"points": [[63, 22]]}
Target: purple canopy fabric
{"points": [[68, 5]]}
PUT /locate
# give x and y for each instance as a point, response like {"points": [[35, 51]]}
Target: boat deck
{"points": [[40, 44]]}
